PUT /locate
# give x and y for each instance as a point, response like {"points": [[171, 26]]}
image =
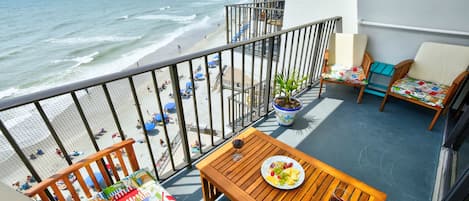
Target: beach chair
{"points": [[346, 62], [432, 78]]}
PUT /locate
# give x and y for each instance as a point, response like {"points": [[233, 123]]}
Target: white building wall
{"points": [[299, 12]]}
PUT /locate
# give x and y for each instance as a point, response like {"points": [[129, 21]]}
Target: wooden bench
{"points": [[102, 159]]}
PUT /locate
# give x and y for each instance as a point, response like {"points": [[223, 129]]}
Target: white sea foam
{"points": [[8, 92], [96, 39], [175, 18], [165, 8], [132, 57], [79, 60], [123, 17]]}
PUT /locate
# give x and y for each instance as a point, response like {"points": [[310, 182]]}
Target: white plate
{"points": [[265, 171]]}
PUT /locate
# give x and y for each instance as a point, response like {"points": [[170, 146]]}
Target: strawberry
{"points": [[272, 173]]}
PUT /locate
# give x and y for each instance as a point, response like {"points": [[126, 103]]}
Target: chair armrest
{"points": [[400, 70], [326, 59], [366, 63], [454, 87]]}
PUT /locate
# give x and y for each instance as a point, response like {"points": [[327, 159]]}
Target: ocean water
{"points": [[49, 43]]}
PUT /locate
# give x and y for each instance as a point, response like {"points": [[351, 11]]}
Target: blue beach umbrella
{"points": [[149, 126], [212, 64], [158, 117], [188, 85], [199, 76], [99, 178], [216, 57], [170, 106]]}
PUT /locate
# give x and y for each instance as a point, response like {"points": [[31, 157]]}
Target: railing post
{"points": [[19, 152], [113, 112], [314, 55], [180, 113], [338, 25], [53, 133], [268, 79], [85, 121], [140, 116], [227, 26]]}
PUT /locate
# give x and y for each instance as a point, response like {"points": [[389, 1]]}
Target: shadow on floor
{"points": [[392, 150]]}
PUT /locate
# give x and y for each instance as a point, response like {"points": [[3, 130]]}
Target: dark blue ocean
{"points": [[52, 42]]}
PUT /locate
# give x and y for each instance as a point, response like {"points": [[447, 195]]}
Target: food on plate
{"points": [[281, 173]]}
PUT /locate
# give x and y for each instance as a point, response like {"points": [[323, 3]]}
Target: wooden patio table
{"points": [[242, 180]]}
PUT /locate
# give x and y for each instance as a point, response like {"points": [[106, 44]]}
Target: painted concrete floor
{"points": [[391, 150]]}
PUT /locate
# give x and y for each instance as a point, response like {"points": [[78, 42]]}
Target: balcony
{"points": [[209, 96]]}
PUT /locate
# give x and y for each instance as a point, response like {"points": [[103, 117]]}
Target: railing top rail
{"points": [[67, 88], [259, 8], [272, 1]]}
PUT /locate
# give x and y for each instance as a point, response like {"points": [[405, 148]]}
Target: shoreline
{"points": [[104, 120]]}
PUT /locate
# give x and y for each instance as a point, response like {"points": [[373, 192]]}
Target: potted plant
{"points": [[285, 105]]}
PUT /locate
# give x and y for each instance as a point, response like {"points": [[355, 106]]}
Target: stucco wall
{"points": [[299, 12]]}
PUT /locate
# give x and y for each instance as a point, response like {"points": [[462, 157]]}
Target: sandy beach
{"points": [[72, 132], [75, 138]]}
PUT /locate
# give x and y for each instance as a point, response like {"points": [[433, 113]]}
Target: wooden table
{"points": [[242, 180]]}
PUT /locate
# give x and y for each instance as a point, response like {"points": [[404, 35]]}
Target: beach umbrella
{"points": [[99, 178], [199, 76], [212, 64], [216, 57], [159, 118], [149, 126], [189, 85], [170, 106]]}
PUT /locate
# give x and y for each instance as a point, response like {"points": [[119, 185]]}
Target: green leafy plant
{"points": [[287, 85]]}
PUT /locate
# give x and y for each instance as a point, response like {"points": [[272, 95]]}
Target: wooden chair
{"points": [[87, 164], [346, 62], [432, 78]]}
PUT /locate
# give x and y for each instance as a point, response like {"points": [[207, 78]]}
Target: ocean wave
{"points": [[96, 39], [8, 92], [79, 60], [165, 8], [123, 17], [175, 18]]}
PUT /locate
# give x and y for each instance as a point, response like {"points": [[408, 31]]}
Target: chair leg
{"points": [[320, 88], [381, 108], [438, 112], [360, 95]]}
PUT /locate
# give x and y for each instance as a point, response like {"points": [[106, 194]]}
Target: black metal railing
{"points": [[250, 20], [192, 110]]}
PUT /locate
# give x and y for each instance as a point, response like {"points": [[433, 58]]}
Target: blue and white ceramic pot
{"points": [[286, 116]]}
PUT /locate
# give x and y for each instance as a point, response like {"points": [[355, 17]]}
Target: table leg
{"points": [[209, 191], [205, 188]]}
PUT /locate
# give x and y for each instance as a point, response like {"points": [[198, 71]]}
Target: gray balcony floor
{"points": [[392, 150]]}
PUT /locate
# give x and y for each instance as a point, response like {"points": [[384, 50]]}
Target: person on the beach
{"points": [[58, 152], [149, 89], [162, 143], [32, 157], [16, 185], [102, 131], [30, 179], [39, 152], [179, 49]]}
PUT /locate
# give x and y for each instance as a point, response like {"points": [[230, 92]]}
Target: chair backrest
{"points": [[87, 165], [440, 63], [347, 49]]}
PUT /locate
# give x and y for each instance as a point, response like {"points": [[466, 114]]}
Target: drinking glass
{"points": [[339, 194], [237, 144]]}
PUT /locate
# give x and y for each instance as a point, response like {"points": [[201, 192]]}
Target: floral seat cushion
{"points": [[427, 92], [354, 75]]}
